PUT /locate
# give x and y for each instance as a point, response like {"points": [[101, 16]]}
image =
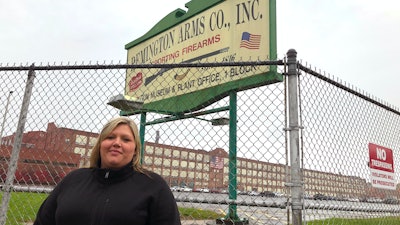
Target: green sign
{"points": [[210, 31]]}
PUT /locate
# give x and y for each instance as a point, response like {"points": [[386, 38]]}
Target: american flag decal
{"points": [[250, 41], [217, 162]]}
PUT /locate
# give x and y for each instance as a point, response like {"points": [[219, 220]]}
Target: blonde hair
{"points": [[95, 159]]}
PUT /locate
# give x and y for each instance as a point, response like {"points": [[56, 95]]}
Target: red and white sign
{"points": [[382, 168]]}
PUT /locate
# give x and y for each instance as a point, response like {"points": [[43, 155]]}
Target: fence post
{"points": [[142, 132], [294, 144], [12, 167]]}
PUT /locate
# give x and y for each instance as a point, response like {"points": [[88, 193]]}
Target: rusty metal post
{"points": [[12, 167]]}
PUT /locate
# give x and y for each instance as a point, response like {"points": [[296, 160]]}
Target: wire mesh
{"points": [[69, 106], [340, 126]]}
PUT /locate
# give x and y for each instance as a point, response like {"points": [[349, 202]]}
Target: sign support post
{"points": [[232, 217], [142, 132]]}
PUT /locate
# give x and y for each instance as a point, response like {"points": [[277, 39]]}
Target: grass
{"points": [[198, 214], [371, 221], [24, 205]]}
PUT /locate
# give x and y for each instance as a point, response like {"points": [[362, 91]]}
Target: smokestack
{"points": [[157, 136]]}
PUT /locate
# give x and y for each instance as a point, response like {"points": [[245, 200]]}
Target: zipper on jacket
{"points": [[106, 175]]}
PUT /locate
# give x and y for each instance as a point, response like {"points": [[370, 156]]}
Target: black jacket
{"points": [[106, 197]]}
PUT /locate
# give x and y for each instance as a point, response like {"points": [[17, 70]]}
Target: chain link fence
{"points": [[341, 124], [68, 106]]}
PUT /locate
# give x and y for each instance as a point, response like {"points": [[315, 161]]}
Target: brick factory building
{"points": [[47, 156]]}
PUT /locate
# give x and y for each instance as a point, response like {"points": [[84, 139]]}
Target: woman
{"points": [[115, 189]]}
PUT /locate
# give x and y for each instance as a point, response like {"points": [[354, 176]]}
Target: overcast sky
{"points": [[357, 41]]}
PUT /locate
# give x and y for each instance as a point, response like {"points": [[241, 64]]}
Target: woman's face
{"points": [[118, 148]]}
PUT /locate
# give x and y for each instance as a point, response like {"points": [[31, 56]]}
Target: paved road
{"points": [[265, 211]]}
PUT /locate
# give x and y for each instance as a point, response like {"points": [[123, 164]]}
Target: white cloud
{"points": [[355, 40]]}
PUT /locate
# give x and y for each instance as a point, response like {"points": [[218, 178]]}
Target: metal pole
{"points": [[142, 131], [12, 167], [5, 117], [293, 129], [232, 213], [232, 216]]}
